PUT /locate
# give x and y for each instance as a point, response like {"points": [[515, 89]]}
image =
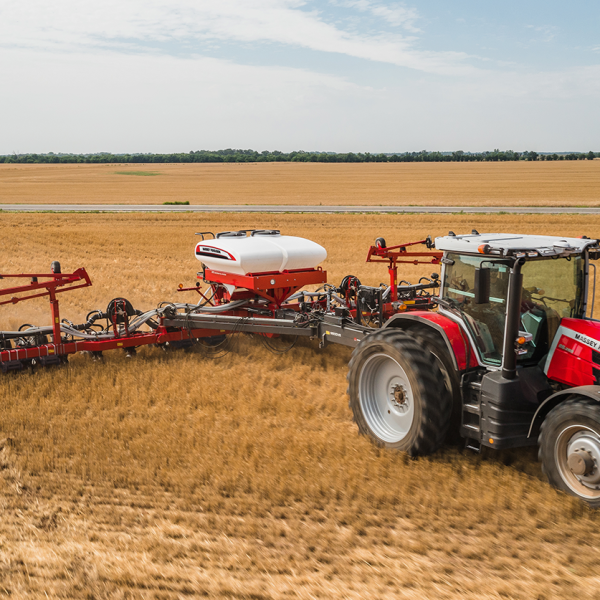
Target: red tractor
{"points": [[511, 356]]}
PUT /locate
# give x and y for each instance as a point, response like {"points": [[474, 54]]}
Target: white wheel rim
{"points": [[386, 398], [568, 440]]}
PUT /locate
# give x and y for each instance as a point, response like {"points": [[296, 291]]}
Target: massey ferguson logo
{"points": [[565, 332], [584, 339], [213, 252]]}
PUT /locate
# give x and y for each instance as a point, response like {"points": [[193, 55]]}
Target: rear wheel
{"points": [[397, 393], [569, 449], [433, 342]]}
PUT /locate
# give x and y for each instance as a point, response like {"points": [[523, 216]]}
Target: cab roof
{"points": [[513, 244]]}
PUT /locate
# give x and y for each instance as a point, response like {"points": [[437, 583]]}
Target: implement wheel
{"points": [[398, 394], [569, 449]]}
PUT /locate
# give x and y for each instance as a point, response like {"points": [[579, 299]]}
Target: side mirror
{"points": [[482, 286]]}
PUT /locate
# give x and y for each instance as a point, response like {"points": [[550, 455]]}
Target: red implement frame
{"points": [[275, 287], [395, 255], [158, 336], [50, 288], [63, 282]]}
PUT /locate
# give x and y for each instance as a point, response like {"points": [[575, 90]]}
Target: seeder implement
{"points": [[270, 302]]}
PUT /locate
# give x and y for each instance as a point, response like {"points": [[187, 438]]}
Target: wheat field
{"points": [[564, 183], [173, 475]]}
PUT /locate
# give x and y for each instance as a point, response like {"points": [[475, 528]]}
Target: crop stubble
{"points": [[566, 183], [171, 474]]}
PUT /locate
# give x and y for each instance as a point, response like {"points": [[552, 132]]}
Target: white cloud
{"points": [[547, 32], [514, 87], [105, 101], [129, 75], [397, 15], [137, 24]]}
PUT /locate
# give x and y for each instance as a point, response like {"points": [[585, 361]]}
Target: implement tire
{"points": [[398, 394]]}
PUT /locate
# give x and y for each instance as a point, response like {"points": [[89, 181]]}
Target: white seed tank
{"points": [[261, 252]]}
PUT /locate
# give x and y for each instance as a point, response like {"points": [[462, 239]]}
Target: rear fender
{"points": [[587, 391], [456, 340]]}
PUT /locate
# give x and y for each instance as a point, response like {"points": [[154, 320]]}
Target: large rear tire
{"points": [[433, 342], [398, 394], [569, 449]]}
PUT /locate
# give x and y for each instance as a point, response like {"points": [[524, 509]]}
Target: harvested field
{"points": [[171, 475], [403, 184]]}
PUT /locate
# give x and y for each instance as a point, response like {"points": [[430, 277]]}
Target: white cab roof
{"points": [[509, 243]]}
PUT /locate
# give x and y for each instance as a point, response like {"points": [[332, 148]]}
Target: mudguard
{"points": [[589, 391], [457, 341]]}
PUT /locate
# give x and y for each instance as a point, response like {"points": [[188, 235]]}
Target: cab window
{"points": [[552, 289], [486, 322]]}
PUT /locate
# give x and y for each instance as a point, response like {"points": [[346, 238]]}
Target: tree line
{"points": [[242, 156]]}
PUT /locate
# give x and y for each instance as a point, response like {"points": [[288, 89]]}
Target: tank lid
{"points": [[245, 232]]}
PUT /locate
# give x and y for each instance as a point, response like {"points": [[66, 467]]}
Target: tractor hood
{"points": [[574, 356]]}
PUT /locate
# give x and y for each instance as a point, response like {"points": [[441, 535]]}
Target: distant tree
{"points": [[240, 155], [591, 155]]}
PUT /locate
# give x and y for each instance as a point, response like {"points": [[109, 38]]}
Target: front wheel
{"points": [[398, 394], [569, 449]]}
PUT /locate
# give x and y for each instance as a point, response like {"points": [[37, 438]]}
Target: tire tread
{"points": [[581, 407]]}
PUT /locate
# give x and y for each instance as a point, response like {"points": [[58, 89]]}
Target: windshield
{"points": [[552, 289], [485, 321]]}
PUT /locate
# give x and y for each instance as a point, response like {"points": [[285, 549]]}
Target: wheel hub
{"points": [[399, 397], [583, 458], [581, 462]]}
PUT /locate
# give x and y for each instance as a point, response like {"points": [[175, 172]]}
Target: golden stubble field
{"points": [[568, 183], [171, 475]]}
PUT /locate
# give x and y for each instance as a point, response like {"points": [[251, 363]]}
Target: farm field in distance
{"points": [[171, 474], [564, 183]]}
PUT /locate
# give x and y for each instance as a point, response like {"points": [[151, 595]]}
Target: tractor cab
{"points": [[521, 301], [520, 286]]}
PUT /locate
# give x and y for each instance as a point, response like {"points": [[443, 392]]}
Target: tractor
{"points": [[510, 358]]}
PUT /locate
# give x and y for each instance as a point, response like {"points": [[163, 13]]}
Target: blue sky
{"points": [[334, 75]]}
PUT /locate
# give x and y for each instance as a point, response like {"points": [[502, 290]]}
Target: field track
{"points": [[172, 475], [265, 208], [523, 184]]}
